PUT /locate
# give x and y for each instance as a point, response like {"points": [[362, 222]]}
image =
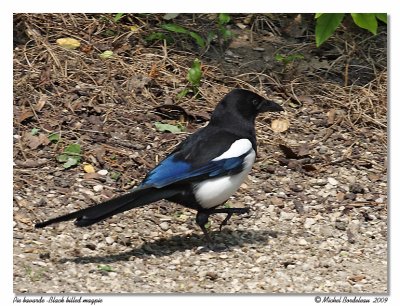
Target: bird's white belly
{"points": [[213, 192]]}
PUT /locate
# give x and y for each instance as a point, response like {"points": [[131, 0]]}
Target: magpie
{"points": [[202, 172]]}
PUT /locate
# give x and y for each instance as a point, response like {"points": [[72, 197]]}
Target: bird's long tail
{"points": [[137, 198]]}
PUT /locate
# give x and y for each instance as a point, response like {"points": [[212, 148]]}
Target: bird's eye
{"points": [[255, 102]]}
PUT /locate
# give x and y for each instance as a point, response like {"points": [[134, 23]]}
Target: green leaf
{"points": [[178, 29], [105, 268], [317, 15], [54, 137], [223, 18], [118, 17], [34, 131], [366, 21], [71, 155], [279, 57], [182, 93], [62, 158], [165, 127], [71, 161], [326, 25], [382, 17], [286, 59], [155, 36], [199, 40], [174, 28], [73, 149], [194, 73], [106, 54], [115, 175], [226, 34]]}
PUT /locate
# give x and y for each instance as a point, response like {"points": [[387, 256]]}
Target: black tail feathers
{"points": [[137, 198]]}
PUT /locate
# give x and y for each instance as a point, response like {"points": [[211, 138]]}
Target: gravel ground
{"points": [[317, 192]]}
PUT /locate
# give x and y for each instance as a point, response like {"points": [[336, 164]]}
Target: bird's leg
{"points": [[201, 220], [229, 212], [225, 222]]}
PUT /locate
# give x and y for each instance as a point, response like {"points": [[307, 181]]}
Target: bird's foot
{"points": [[230, 212]]}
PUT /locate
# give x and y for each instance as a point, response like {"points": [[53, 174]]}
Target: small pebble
{"points": [[287, 216], [102, 172], [110, 240], [332, 181], [98, 188], [340, 225], [309, 222], [164, 226], [302, 241]]}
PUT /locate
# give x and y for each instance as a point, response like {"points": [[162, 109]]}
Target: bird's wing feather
{"points": [[171, 171]]}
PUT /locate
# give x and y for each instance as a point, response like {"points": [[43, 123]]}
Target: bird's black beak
{"points": [[270, 106]]}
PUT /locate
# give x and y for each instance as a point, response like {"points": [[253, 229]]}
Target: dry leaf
{"points": [[280, 125], [331, 114], [88, 168], [68, 43], [91, 176], [154, 72], [31, 163], [34, 141], [305, 99], [86, 48], [25, 114], [357, 278], [42, 101]]}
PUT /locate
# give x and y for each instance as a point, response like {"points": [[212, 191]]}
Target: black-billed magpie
{"points": [[202, 172]]}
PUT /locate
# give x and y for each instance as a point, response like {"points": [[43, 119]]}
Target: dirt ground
{"points": [[317, 192]]}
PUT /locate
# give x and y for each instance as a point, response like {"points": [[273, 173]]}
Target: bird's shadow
{"points": [[224, 241]]}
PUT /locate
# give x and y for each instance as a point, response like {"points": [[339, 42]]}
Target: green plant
{"points": [[172, 27], [165, 127], [54, 137], [327, 23], [118, 17], [194, 77], [223, 20], [105, 268], [286, 59], [194, 74], [71, 155]]}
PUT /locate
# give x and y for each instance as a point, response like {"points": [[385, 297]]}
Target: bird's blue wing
{"points": [[172, 170]]}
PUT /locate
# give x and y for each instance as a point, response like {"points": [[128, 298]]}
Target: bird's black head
{"points": [[245, 104]]}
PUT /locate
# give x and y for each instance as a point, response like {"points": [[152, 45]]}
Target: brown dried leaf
{"points": [[25, 114], [154, 71], [305, 99], [91, 176], [42, 101], [280, 125], [34, 141], [295, 153], [357, 278], [31, 163], [44, 139], [331, 114]]}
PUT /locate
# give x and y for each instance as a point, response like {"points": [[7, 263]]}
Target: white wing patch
{"points": [[239, 147], [213, 192]]}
